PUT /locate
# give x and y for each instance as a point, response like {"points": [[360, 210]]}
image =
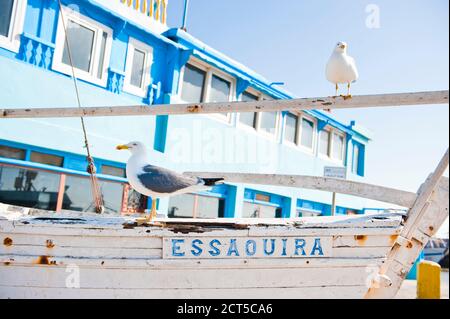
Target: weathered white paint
{"points": [[334, 102], [33, 262]]}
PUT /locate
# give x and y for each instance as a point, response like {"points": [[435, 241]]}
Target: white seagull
{"points": [[157, 182], [341, 68]]}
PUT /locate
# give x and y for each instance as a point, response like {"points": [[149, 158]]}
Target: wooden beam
{"points": [[380, 193], [339, 102]]}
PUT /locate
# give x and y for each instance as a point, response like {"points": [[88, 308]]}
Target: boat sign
{"points": [[246, 247], [335, 172]]}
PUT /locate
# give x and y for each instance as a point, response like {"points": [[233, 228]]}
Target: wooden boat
{"points": [[72, 255], [79, 255]]}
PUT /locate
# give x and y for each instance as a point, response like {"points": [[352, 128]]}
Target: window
{"points": [[248, 118], [47, 159], [307, 133], [193, 84], [28, 188], [137, 72], [268, 122], [200, 83], [78, 195], [324, 143], [196, 206], [220, 90], [90, 47], [338, 146], [11, 152], [358, 159], [252, 210], [12, 14], [291, 130], [113, 171]]}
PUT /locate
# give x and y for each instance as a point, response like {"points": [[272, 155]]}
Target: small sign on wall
{"points": [[335, 172], [246, 247]]}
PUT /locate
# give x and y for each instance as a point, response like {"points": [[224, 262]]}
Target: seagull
{"points": [[341, 68], [158, 182]]}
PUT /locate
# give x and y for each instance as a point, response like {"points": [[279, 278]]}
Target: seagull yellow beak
{"points": [[121, 147]]}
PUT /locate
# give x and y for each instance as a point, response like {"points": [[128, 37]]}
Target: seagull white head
{"points": [[341, 47], [133, 147]]}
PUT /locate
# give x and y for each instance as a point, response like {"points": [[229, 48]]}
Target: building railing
{"points": [[156, 9]]}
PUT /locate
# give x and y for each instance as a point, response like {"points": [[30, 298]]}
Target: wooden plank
{"points": [[424, 219], [55, 277], [20, 239], [8, 260], [81, 252], [325, 292], [379, 193], [335, 102], [361, 252], [364, 241]]}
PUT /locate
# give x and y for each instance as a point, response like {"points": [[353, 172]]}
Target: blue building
{"points": [[124, 53]]}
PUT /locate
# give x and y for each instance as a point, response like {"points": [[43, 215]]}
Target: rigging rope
{"points": [[96, 191]]}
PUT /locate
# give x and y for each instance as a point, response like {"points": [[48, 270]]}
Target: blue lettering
{"points": [[214, 249], [233, 248], [300, 244], [247, 247], [176, 248], [265, 247], [283, 253], [317, 246], [197, 250]]}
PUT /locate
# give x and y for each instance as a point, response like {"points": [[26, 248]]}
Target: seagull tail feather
{"points": [[212, 181]]}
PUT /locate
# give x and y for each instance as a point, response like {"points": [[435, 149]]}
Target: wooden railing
{"points": [[156, 9]]}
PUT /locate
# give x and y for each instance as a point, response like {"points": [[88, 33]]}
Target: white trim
{"points": [[12, 41], [148, 59], [312, 149], [98, 29]]}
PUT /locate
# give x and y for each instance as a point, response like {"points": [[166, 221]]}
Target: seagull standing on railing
{"points": [[341, 68], [157, 182]]}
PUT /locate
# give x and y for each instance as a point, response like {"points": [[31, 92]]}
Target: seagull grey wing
{"points": [[161, 180]]}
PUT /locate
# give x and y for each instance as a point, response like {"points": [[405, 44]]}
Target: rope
{"points": [[96, 191]]}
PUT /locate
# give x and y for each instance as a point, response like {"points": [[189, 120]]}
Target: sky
{"points": [[399, 46]]}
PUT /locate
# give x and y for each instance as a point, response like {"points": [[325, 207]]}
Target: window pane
{"points": [[268, 122], [112, 196], [102, 55], [248, 118], [258, 211], [10, 152], [193, 83], [6, 7], [47, 159], [78, 195], [209, 207], [182, 206], [290, 133], [307, 133], [220, 90], [338, 146], [324, 142], [137, 71], [29, 188], [355, 162], [112, 170], [81, 41]]}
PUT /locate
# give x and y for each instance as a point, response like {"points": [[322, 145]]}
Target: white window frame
{"points": [[210, 71], [329, 156], [12, 41], [297, 130], [301, 116], [148, 59], [98, 29]]}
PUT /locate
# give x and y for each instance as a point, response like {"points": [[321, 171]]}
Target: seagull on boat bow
{"points": [[341, 68], [158, 182]]}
